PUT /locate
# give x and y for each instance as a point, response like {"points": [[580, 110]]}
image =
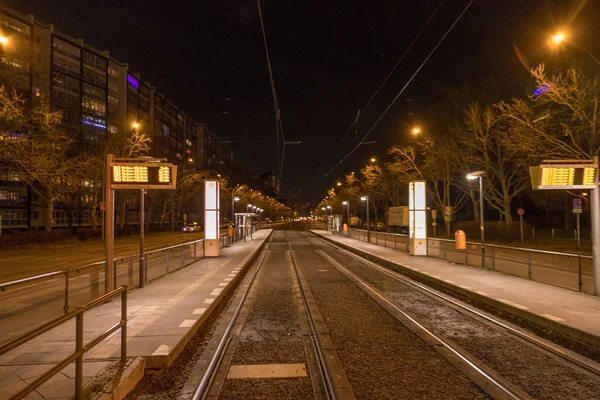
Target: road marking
{"points": [[199, 311], [161, 350], [16, 258], [187, 323], [216, 292], [552, 317], [514, 304], [223, 284], [227, 279], [208, 301]]}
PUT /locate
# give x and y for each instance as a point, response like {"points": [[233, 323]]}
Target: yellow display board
{"points": [[563, 176], [143, 176]]}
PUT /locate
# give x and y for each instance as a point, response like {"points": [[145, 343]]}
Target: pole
{"points": [[521, 222], [481, 221], [109, 228], [578, 232], [348, 209], [142, 223], [596, 230], [173, 210], [368, 225]]}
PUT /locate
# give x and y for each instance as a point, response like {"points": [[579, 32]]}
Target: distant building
{"points": [[99, 96], [269, 184]]}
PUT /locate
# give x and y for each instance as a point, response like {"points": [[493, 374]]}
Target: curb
{"points": [[570, 332], [165, 361]]}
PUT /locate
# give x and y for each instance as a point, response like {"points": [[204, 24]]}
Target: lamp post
{"points": [[329, 210], [233, 200], [366, 198], [248, 207], [471, 176], [559, 38], [347, 204]]}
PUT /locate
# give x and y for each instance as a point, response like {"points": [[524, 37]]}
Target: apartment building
{"points": [[98, 96]]}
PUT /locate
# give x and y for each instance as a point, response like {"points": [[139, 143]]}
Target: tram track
{"points": [[328, 380], [550, 358]]}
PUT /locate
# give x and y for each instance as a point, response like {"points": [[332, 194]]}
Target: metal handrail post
{"points": [[114, 269], [124, 326], [167, 263], [66, 306], [79, 351], [493, 259]]}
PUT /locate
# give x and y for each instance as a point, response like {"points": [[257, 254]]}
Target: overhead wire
{"points": [[360, 112], [399, 93], [278, 122]]}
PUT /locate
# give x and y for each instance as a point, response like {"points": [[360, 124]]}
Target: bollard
{"points": [[460, 240], [552, 233], [532, 232]]}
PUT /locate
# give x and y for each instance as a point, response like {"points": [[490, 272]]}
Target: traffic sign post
{"points": [[520, 211], [578, 209]]}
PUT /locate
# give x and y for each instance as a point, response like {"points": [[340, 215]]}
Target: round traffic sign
{"points": [[520, 211]]}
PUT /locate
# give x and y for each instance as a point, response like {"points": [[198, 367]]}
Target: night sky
{"points": [[328, 58]]}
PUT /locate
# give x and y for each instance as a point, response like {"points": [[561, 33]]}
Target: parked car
{"points": [[195, 227]]}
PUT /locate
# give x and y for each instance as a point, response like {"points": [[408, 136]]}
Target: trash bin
{"points": [[460, 240]]}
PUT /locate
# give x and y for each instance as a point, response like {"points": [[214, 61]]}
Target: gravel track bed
{"points": [[540, 375], [271, 333], [382, 358]]}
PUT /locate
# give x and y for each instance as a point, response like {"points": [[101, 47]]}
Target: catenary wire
{"points": [[279, 124], [397, 96], [360, 112]]}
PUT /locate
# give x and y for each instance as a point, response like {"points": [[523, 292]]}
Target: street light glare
{"points": [[3, 40], [364, 198], [475, 174], [416, 130], [373, 159], [559, 37], [135, 125]]}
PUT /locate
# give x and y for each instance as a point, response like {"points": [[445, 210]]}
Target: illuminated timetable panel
{"points": [[561, 176], [143, 176]]}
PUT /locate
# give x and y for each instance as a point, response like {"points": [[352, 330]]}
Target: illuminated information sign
{"points": [[563, 176], [143, 176]]}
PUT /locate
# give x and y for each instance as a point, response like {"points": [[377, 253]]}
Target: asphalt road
{"points": [[19, 263]]}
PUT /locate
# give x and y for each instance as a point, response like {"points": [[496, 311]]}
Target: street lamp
{"points": [[347, 204], [373, 159], [471, 176], [135, 125], [248, 207], [233, 200], [3, 40], [416, 130], [366, 198], [560, 37], [330, 210]]}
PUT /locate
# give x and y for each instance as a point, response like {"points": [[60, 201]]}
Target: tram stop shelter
{"points": [[243, 225]]}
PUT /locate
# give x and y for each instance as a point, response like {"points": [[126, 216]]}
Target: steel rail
{"points": [[214, 362], [316, 337], [588, 366], [472, 365]]}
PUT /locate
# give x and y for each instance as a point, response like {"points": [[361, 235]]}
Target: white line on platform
{"points": [[437, 276], [187, 323], [162, 350], [449, 281], [223, 284], [553, 318], [513, 304], [227, 279], [216, 292], [199, 311], [482, 293], [465, 286], [208, 301]]}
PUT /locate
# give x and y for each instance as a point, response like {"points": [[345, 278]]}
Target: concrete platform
{"points": [[162, 317], [568, 312]]}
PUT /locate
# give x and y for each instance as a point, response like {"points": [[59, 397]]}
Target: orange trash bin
{"points": [[460, 240]]}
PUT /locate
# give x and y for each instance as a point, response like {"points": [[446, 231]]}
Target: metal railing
{"points": [[80, 347], [569, 270], [127, 272]]}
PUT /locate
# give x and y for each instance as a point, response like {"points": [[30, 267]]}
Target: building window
{"points": [[113, 72], [166, 130], [113, 129]]}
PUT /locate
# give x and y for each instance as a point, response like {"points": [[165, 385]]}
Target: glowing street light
{"points": [[366, 198], [3, 40], [135, 125], [329, 209], [339, 183], [560, 38], [373, 159], [248, 207], [416, 130], [347, 204], [471, 176]]}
